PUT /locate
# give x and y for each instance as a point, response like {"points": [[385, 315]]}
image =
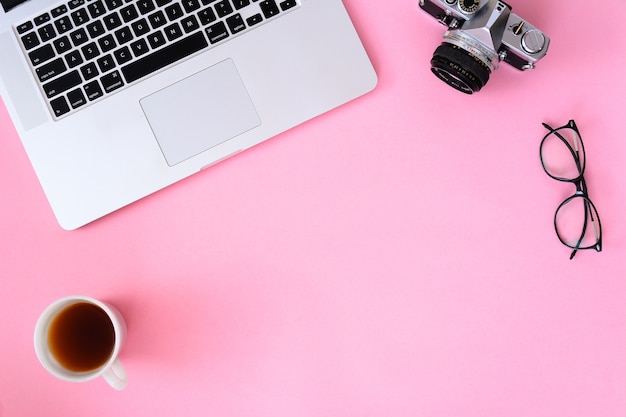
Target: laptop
{"points": [[116, 99]]}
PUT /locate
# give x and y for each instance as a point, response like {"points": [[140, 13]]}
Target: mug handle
{"points": [[116, 375]]}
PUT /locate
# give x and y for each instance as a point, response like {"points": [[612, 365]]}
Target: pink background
{"points": [[395, 257]]}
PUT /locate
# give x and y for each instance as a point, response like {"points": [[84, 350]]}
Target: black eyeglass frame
{"points": [[581, 188]]}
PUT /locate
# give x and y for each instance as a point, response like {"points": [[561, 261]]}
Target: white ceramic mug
{"points": [[112, 369]]}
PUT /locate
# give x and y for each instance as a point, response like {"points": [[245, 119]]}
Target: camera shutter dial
{"points": [[533, 41], [469, 6]]}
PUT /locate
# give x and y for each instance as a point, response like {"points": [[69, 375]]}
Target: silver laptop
{"points": [[116, 99]]}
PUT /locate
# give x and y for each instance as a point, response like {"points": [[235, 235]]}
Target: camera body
{"points": [[481, 34]]}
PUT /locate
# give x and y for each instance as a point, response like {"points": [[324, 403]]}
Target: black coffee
{"points": [[81, 337]]}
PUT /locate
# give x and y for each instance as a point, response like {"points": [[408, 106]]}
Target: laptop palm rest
{"points": [[200, 112]]}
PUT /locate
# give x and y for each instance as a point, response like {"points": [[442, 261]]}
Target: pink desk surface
{"points": [[395, 257]]}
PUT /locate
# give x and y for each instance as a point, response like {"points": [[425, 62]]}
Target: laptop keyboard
{"points": [[85, 50]]}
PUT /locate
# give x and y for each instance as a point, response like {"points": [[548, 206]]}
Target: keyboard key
{"points": [[40, 20], [107, 43], [191, 5], [96, 9], [62, 45], [157, 19], [161, 3], [190, 24], [41, 55], [95, 29], [90, 51], [30, 40], [240, 4], [235, 23], [80, 17], [79, 37], [223, 8], [63, 25], [174, 11], [46, 32], [62, 84], [173, 31], [51, 70], [114, 4], [139, 47], [129, 13], [124, 35], [217, 32], [207, 16], [73, 59], [106, 63], [164, 57], [122, 55], [288, 4], [112, 81], [89, 71], [254, 19], [92, 90], [75, 3], [156, 39], [145, 6], [269, 8], [59, 106], [140, 27], [112, 21], [25, 27], [58, 11], [76, 98]]}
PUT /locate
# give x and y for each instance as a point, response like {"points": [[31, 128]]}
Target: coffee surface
{"points": [[81, 337]]}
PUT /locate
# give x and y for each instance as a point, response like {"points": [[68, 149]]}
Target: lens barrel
{"points": [[459, 69]]}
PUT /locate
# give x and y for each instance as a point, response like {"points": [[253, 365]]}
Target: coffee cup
{"points": [[79, 338]]}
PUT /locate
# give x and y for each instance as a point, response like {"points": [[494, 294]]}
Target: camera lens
{"points": [[459, 69]]}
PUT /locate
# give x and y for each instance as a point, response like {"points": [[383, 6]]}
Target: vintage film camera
{"points": [[480, 34]]}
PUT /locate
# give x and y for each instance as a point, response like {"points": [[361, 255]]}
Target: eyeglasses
{"points": [[576, 220]]}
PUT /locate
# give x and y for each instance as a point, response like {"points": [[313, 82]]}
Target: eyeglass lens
{"points": [[563, 155], [577, 223]]}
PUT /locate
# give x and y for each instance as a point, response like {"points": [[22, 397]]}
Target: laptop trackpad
{"points": [[200, 112]]}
